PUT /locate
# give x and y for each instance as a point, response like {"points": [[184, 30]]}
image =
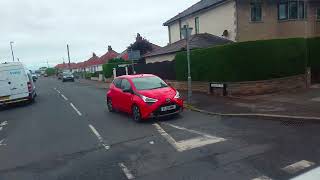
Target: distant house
{"points": [[95, 63], [65, 67], [168, 52], [246, 20]]}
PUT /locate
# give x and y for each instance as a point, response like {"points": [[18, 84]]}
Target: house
{"points": [[65, 67], [110, 54], [196, 41], [246, 20], [141, 44]]}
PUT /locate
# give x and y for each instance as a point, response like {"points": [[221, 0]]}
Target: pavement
{"points": [[69, 134], [301, 104]]}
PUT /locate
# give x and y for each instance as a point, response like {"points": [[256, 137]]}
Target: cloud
{"points": [[42, 28]]}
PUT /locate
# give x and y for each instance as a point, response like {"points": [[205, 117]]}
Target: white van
{"points": [[16, 84]]}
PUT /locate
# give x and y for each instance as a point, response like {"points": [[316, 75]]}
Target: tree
{"points": [[50, 71]]}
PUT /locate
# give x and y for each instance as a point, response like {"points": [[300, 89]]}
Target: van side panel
{"points": [[15, 78], [4, 85]]}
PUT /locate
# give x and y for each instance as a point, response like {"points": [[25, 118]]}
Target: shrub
{"points": [[314, 53], [113, 63], [51, 71], [96, 74], [88, 75], [245, 61]]}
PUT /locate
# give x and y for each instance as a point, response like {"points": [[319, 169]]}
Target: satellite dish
{"points": [[225, 33]]}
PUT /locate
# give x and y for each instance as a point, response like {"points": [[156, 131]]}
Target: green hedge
{"points": [[113, 63], [245, 61], [314, 53], [96, 74]]}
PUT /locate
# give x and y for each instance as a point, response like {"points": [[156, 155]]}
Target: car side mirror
{"points": [[128, 91]]}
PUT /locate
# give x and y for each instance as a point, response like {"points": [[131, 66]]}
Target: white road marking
{"points": [[79, 113], [4, 123], [65, 98], [262, 178], [298, 166], [203, 140], [316, 99], [99, 137], [1, 143], [126, 171], [57, 90]]}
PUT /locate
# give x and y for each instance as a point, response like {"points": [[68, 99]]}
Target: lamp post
{"points": [[186, 33], [12, 50]]}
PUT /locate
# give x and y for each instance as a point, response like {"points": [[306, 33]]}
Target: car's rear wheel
{"points": [[110, 105], [136, 114]]}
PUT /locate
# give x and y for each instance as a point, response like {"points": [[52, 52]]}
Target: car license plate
{"points": [[168, 108], [4, 98]]}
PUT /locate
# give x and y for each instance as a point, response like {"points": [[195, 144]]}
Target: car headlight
{"points": [[148, 100], [177, 96]]}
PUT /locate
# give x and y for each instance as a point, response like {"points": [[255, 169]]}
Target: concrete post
{"points": [[308, 77], [114, 73], [126, 70]]}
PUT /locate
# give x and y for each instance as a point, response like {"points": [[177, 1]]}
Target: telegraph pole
{"points": [[68, 57]]}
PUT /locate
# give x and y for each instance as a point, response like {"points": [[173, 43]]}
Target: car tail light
{"points": [[29, 87]]}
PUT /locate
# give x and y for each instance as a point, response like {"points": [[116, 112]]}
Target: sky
{"points": [[41, 29]]}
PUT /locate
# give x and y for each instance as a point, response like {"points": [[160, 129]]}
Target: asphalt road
{"points": [[69, 134]]}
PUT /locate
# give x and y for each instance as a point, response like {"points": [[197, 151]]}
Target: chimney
{"points": [[109, 48], [94, 54], [138, 38]]}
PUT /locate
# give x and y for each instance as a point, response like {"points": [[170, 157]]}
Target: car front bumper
{"points": [[154, 110]]}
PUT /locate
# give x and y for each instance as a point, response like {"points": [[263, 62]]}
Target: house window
{"points": [[197, 26], [283, 11], [291, 10], [256, 12], [318, 14]]}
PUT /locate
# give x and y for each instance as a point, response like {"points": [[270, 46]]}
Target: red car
{"points": [[144, 96]]}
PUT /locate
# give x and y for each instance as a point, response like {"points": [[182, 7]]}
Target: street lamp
{"points": [[186, 33], [12, 50]]}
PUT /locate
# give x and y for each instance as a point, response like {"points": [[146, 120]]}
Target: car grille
{"points": [[158, 112]]}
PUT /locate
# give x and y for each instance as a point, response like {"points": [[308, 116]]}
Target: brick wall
{"points": [[250, 87]]}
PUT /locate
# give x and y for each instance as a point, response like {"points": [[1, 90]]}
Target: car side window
{"points": [[117, 83], [125, 84]]}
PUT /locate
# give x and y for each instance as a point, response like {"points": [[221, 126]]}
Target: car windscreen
{"points": [[147, 83], [67, 74]]}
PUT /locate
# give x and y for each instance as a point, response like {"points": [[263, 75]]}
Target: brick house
{"points": [[246, 20]]}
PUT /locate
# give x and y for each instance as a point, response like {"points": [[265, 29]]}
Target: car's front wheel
{"points": [[136, 114], [110, 106]]}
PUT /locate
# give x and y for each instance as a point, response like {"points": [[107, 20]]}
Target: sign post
{"points": [[133, 56], [186, 33]]}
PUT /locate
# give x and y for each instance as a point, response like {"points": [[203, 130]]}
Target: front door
{"points": [[126, 97]]}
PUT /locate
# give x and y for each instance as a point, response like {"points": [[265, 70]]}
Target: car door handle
{"points": [[13, 88], [9, 82]]}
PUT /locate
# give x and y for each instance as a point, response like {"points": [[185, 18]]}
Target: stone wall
{"points": [[250, 87]]}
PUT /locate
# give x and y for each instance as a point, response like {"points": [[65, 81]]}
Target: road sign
{"points": [[134, 55]]}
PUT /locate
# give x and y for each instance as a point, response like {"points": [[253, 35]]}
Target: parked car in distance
{"points": [[67, 76], [16, 84], [143, 96], [45, 75], [34, 77], [59, 76]]}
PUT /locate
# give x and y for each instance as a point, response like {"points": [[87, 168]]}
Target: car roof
{"points": [[136, 76]]}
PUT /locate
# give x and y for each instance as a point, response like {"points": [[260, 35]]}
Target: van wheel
{"points": [[136, 114]]}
